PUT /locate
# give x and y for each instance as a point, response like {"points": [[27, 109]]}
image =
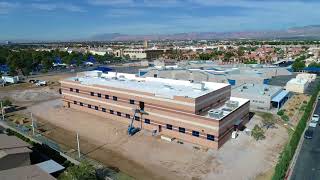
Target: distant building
{"points": [[13, 152], [32, 172], [135, 53], [262, 97], [145, 44]]}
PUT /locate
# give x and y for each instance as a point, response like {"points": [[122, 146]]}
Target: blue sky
{"points": [[72, 19]]}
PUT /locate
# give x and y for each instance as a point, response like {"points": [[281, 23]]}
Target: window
{"points": [[99, 95], [81, 104], [77, 90], [103, 109], [182, 130], [128, 116], [147, 121], [92, 93], [111, 111], [195, 133], [74, 102], [71, 89], [106, 96], [96, 108], [210, 137], [137, 118], [155, 75], [115, 98], [118, 113], [89, 106], [141, 104], [131, 101], [169, 126]]}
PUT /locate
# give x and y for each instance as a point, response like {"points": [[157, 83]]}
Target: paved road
{"points": [[307, 166]]}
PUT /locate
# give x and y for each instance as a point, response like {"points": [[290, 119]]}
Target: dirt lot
{"points": [[294, 106], [145, 157]]}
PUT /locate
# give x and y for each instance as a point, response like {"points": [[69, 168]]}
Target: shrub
{"points": [[257, 133], [285, 118], [6, 102], [78, 172], [281, 112]]}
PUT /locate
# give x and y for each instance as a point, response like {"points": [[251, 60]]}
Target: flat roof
{"points": [[258, 89], [280, 96], [167, 88], [50, 166], [226, 110]]}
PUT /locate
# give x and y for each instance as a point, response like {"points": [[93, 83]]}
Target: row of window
{"points": [[115, 98], [147, 121]]}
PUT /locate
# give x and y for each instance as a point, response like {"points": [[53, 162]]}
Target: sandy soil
{"points": [[145, 157]]}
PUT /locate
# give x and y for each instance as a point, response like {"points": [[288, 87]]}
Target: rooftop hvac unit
{"points": [[198, 86], [215, 113], [232, 104]]}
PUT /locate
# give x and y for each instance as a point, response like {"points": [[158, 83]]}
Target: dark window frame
{"points": [[77, 90], [74, 102], [71, 89], [119, 114], [81, 104], [115, 98], [111, 111], [128, 116], [99, 95], [136, 118], [106, 96], [169, 126], [210, 137], [196, 133], [182, 130], [131, 101], [96, 108], [147, 121], [89, 106], [103, 109], [92, 93]]}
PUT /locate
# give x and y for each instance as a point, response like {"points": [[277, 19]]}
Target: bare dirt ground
{"points": [[295, 106], [145, 157]]}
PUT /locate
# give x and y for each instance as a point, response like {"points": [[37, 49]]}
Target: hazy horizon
{"points": [[80, 19]]}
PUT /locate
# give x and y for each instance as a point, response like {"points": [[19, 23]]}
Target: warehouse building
{"points": [[262, 97], [201, 113]]}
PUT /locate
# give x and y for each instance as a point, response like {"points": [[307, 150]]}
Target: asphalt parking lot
{"points": [[307, 166]]}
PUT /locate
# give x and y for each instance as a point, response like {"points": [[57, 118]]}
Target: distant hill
{"points": [[307, 32]]}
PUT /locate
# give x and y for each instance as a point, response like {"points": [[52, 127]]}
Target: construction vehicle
{"points": [[131, 129]]}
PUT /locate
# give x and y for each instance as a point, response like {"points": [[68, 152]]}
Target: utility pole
{"points": [[32, 124], [2, 111], [78, 143]]}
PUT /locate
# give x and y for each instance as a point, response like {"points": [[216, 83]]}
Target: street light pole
{"points": [[78, 143], [32, 124], [2, 111]]}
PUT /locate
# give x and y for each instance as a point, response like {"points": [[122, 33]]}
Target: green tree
{"points": [[257, 133], [298, 65], [268, 120], [83, 171]]}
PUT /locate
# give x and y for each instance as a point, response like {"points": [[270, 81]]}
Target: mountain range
{"points": [[305, 32]]}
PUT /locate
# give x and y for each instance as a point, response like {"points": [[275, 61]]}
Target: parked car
{"points": [[308, 134], [315, 117], [41, 83], [313, 123]]}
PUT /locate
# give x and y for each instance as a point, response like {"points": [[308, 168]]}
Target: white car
{"points": [[315, 117], [313, 124]]}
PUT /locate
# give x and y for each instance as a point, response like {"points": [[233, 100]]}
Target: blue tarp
{"points": [[57, 60], [279, 97], [4, 68], [312, 69]]}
